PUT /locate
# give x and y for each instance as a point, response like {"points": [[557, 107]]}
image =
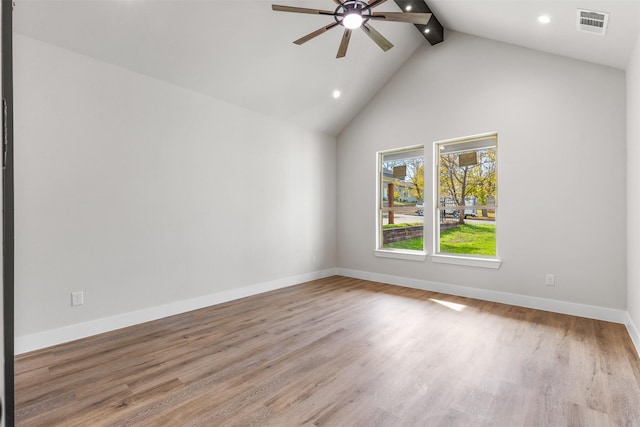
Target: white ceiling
{"points": [[241, 51]]}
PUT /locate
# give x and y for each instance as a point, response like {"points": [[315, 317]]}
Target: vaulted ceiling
{"points": [[240, 51]]}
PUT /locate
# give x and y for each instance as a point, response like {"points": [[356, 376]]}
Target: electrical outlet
{"points": [[550, 280], [77, 298]]}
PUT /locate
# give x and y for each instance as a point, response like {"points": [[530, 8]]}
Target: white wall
{"points": [[633, 188], [140, 193], [561, 131]]}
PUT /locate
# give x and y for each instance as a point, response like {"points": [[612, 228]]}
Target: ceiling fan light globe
{"points": [[352, 21]]}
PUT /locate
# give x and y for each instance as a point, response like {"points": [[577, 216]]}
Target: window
{"points": [[466, 197], [401, 201]]}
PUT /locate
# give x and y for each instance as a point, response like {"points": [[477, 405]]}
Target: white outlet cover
{"points": [[77, 298]]}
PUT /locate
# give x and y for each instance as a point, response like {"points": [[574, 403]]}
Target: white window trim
{"points": [[457, 259], [468, 260], [401, 254], [395, 253]]}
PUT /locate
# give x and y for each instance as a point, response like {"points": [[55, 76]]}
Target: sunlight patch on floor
{"points": [[451, 305]]}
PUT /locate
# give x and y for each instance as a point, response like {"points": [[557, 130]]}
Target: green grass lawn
{"points": [[470, 239], [412, 244], [403, 224]]}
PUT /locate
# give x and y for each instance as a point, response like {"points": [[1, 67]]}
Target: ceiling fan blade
{"points": [[315, 33], [377, 37], [344, 44], [374, 3], [412, 18], [280, 8]]}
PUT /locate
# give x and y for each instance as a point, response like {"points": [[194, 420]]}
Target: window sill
{"points": [[401, 254], [466, 260]]}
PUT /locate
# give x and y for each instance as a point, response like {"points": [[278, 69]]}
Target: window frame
{"points": [[380, 251], [485, 261]]}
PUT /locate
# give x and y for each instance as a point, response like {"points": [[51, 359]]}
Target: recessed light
{"points": [[336, 94], [544, 19], [408, 8], [427, 31]]}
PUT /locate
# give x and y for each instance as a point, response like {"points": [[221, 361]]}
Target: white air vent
{"points": [[591, 21]]}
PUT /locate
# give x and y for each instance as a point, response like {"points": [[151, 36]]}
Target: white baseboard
{"points": [[633, 333], [581, 310], [26, 343]]}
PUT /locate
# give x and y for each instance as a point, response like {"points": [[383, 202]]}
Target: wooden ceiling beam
{"points": [[435, 34]]}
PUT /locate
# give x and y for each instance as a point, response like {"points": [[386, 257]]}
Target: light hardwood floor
{"points": [[340, 352]]}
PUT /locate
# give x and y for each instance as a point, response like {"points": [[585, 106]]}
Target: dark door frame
{"points": [[7, 209]]}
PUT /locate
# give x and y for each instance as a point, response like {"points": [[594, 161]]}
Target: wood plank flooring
{"points": [[340, 352]]}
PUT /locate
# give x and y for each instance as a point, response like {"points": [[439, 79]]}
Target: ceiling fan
{"points": [[353, 14]]}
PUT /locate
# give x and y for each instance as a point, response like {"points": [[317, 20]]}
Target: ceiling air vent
{"points": [[591, 21]]}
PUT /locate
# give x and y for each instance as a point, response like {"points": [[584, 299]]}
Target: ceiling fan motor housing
{"points": [[353, 6]]}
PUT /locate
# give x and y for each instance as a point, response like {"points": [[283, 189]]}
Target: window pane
{"points": [[405, 232], [402, 196], [402, 178], [467, 194], [471, 237], [468, 178]]}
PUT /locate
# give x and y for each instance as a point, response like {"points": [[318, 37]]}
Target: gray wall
{"points": [[140, 193], [561, 156]]}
